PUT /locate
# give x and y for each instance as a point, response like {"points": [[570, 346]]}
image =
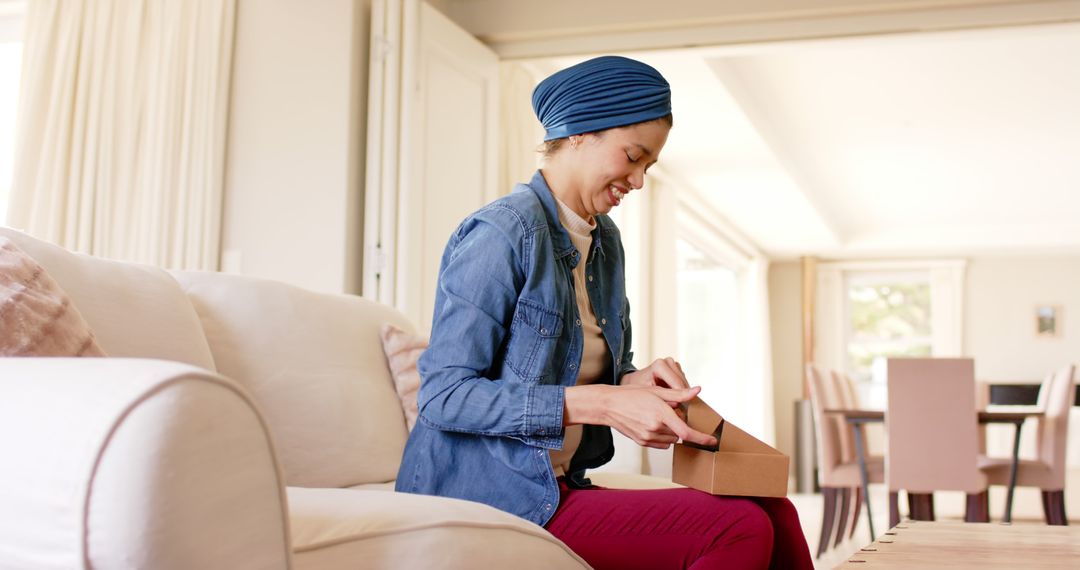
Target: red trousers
{"points": [[678, 528]]}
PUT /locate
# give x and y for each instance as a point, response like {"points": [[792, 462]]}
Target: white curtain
{"points": [[121, 136]]}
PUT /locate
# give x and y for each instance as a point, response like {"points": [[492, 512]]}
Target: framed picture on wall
{"points": [[1048, 320]]}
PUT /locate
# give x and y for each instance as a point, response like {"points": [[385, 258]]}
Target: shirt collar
{"points": [[559, 237]]}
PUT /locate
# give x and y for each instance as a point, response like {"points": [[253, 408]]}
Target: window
{"points": [[708, 317], [870, 309], [10, 65], [889, 314], [697, 293]]}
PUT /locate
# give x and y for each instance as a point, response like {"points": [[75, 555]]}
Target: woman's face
{"points": [[612, 163]]}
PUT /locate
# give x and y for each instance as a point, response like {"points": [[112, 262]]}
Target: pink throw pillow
{"points": [[402, 351], [36, 316]]}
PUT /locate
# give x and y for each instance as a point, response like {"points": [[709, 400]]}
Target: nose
{"points": [[637, 178]]}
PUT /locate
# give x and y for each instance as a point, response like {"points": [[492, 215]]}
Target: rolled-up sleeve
{"points": [[480, 279]]}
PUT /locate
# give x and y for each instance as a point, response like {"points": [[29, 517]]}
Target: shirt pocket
{"points": [[534, 334]]}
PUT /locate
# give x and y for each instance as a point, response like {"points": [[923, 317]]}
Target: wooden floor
{"points": [[918, 544]]}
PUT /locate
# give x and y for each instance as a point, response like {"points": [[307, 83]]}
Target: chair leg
{"points": [[841, 521], [894, 508], [921, 506], [858, 508], [1054, 507], [828, 515], [977, 510]]}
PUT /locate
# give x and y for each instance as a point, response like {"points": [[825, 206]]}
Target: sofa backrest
{"points": [[134, 310], [315, 365]]}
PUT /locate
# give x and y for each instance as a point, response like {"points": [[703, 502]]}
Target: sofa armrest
{"points": [[110, 463]]}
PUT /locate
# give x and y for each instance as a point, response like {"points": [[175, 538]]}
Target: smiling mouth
{"points": [[615, 195]]}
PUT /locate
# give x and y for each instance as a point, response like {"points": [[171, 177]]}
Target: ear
{"points": [[575, 140]]}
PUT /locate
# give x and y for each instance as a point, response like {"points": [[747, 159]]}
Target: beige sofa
{"points": [[237, 423]]}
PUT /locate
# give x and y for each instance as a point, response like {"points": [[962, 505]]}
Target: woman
{"points": [[530, 365]]}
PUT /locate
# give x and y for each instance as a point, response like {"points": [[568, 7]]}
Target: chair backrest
{"points": [[825, 428], [931, 424], [855, 403], [1053, 429], [843, 400], [848, 384]]}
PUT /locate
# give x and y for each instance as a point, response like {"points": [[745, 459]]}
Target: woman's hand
{"points": [[662, 372], [645, 414]]}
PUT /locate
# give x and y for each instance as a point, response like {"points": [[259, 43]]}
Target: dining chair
{"points": [[838, 398], [1047, 471], [849, 396], [932, 436], [837, 475]]}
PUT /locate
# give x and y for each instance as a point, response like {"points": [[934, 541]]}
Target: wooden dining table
{"points": [[859, 418]]}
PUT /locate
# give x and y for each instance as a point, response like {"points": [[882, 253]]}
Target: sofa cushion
{"points": [[36, 317], [134, 310], [403, 350], [315, 365], [334, 528]]}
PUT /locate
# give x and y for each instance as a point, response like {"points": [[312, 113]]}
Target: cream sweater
{"points": [[595, 357]]}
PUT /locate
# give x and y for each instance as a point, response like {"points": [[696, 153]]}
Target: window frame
{"points": [[875, 277], [947, 281]]}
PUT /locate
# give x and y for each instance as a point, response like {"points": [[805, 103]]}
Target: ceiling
{"points": [[926, 144]]}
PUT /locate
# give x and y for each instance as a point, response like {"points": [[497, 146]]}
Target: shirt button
{"points": [[577, 322], [603, 321], [547, 507], [543, 330], [590, 278], [573, 366]]}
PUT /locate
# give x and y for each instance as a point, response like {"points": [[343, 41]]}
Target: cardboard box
{"points": [[740, 464]]}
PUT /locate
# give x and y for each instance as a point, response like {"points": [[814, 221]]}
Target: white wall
{"points": [[294, 160], [999, 315]]}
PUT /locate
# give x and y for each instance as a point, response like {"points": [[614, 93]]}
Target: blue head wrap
{"points": [[598, 94]]}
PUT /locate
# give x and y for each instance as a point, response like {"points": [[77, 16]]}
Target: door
{"points": [[447, 164]]}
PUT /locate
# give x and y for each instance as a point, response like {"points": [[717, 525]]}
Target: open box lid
{"points": [[729, 437]]}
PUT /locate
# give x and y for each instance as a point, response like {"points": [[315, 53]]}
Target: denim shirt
{"points": [[506, 341]]}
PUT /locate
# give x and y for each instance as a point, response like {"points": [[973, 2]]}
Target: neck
{"points": [[564, 187]]}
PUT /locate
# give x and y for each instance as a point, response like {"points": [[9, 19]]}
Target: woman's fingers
{"points": [[687, 433], [667, 371], [671, 431], [677, 396], [647, 415]]}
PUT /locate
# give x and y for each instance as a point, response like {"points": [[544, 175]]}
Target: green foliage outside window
{"points": [[888, 319]]}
